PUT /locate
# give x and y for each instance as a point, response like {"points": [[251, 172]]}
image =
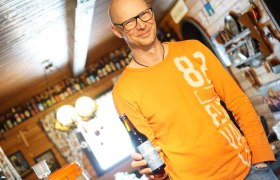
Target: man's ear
{"points": [[116, 31]]}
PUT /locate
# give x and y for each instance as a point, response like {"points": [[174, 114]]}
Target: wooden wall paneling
{"points": [[34, 86], [30, 138], [36, 142]]}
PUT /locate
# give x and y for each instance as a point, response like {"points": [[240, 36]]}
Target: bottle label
{"points": [[150, 155]]}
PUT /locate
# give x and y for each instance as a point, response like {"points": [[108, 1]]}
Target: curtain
{"points": [[7, 168], [66, 142]]}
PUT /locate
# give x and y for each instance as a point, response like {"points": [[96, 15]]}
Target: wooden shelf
{"points": [[237, 37], [92, 91], [239, 44], [257, 55]]}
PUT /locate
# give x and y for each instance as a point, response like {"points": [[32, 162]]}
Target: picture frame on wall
{"points": [[50, 158], [271, 96], [19, 162]]}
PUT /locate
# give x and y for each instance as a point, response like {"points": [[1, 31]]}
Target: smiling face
{"points": [[144, 34]]}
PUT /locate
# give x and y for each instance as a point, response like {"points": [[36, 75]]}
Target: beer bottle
{"points": [[145, 148]]}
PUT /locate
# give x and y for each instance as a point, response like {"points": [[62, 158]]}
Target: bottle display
{"points": [[52, 95], [145, 147]]}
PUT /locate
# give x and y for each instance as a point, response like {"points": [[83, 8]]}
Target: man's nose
{"points": [[140, 24]]}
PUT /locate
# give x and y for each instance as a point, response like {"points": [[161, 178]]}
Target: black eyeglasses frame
{"points": [[135, 17]]}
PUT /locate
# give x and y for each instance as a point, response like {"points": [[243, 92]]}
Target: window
{"points": [[107, 139]]}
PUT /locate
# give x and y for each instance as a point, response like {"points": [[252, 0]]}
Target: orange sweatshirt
{"points": [[176, 103]]}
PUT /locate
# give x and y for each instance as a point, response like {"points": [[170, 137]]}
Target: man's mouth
{"points": [[145, 33]]}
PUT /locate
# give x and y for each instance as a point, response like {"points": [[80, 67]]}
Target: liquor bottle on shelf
{"points": [[43, 100], [104, 72], [8, 121], [107, 65], [129, 57], [16, 115], [39, 103], [104, 69], [99, 70], [64, 91], [68, 86], [47, 98], [97, 76], [83, 82], [35, 108], [115, 59], [80, 82], [56, 94], [122, 61], [4, 127], [127, 50], [127, 61], [20, 111], [30, 109], [86, 78], [51, 93], [11, 122], [111, 56], [77, 86], [3, 123], [60, 91], [145, 147], [92, 74], [71, 85], [120, 58], [26, 112], [118, 53], [2, 130]]}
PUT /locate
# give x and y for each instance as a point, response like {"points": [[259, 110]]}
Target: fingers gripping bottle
{"points": [[143, 145]]}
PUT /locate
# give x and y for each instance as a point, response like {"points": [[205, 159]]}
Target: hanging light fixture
{"points": [[86, 107], [68, 116]]}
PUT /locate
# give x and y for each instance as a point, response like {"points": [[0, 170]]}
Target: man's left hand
{"points": [[261, 165]]}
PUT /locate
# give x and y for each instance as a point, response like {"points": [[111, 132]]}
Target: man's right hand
{"points": [[140, 163]]}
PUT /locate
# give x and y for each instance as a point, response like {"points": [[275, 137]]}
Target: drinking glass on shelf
{"points": [[41, 169]]}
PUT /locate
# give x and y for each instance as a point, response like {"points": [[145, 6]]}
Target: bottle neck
{"points": [[128, 125]]}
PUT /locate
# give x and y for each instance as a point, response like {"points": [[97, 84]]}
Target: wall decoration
{"points": [[20, 164], [271, 95], [50, 160], [209, 9]]}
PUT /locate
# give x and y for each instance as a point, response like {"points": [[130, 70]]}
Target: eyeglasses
{"points": [[131, 23]]}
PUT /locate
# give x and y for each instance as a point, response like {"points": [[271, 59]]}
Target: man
{"points": [[172, 92]]}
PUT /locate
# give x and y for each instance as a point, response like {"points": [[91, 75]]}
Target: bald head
{"points": [[120, 8]]}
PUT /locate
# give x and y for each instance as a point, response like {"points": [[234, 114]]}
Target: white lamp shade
{"points": [[85, 106], [66, 115]]}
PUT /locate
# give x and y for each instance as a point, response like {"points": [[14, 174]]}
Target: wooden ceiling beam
{"points": [[83, 19]]}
